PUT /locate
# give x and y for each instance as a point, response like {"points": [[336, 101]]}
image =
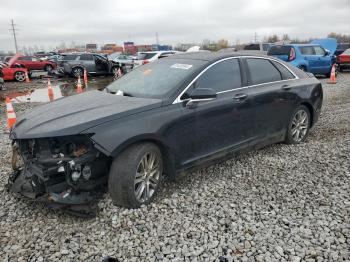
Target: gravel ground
{"points": [[281, 203]]}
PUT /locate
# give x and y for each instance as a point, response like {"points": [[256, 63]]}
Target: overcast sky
{"points": [[49, 23]]}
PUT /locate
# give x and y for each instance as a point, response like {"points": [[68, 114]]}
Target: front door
{"points": [[224, 122]]}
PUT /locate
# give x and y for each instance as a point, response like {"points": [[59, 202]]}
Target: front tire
{"points": [[78, 71], [48, 68], [20, 76], [135, 175], [299, 126]]}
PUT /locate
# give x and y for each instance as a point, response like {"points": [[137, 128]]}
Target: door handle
{"points": [[240, 97], [286, 87]]}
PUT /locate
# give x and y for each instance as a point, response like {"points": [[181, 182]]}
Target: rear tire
{"points": [[135, 175], [299, 125]]}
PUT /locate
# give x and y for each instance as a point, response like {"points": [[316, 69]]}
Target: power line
{"points": [[14, 29]]}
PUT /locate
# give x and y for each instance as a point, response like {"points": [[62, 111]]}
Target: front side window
{"points": [[24, 58], [319, 50], [86, 57], [262, 71], [223, 76], [307, 50]]}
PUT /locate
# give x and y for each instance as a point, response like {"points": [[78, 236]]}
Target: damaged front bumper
{"points": [[66, 173]]}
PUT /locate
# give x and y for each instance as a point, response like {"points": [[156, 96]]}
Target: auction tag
{"points": [[181, 66]]}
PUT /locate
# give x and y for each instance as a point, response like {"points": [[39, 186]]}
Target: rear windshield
{"points": [[252, 47], [156, 80], [279, 50], [143, 56]]}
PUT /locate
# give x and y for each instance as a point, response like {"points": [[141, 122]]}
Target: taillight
{"points": [[291, 54], [145, 62]]}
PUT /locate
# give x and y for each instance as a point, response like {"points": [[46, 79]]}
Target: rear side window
{"points": [[307, 50], [223, 76], [262, 71], [86, 57], [286, 74]]}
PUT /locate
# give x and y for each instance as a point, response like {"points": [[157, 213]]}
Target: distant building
{"points": [[91, 47], [144, 48], [157, 47], [130, 48], [111, 48]]}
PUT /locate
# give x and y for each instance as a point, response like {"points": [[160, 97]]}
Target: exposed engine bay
{"points": [[64, 172]]}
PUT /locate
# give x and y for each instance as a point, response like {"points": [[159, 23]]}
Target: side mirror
{"points": [[203, 94], [327, 52], [200, 94]]}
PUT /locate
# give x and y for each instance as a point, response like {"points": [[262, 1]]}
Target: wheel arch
{"points": [[168, 156], [311, 111]]}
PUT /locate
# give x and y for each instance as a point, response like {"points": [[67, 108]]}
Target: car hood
{"points": [[74, 114], [328, 43]]}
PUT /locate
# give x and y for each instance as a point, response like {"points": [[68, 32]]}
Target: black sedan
{"points": [[160, 119]]}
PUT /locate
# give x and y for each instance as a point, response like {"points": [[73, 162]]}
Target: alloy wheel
{"points": [[48, 68], [20, 76], [147, 176], [300, 125], [77, 72]]}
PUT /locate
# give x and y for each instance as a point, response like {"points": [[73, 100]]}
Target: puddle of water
{"points": [[38, 95], [63, 89]]}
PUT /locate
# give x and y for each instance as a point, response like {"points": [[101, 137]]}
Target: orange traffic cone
{"points": [[332, 79], [11, 116], [27, 77], [50, 90], [79, 89], [85, 78]]}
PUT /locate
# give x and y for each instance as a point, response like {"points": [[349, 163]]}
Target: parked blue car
{"points": [[308, 57]]}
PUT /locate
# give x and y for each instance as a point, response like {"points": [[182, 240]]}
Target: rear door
{"points": [[224, 122], [270, 86], [88, 62]]}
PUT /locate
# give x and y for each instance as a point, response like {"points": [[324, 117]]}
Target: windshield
{"points": [[143, 56], [347, 52], [156, 80]]}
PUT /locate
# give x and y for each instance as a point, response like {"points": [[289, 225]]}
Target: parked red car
{"points": [[34, 63], [343, 60], [11, 71]]}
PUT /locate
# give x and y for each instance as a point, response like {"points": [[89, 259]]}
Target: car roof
{"points": [[212, 56], [298, 45]]}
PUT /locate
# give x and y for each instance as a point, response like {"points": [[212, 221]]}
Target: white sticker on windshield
{"points": [[181, 66]]}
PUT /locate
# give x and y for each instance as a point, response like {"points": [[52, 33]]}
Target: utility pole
{"points": [[157, 38], [13, 29], [255, 37]]}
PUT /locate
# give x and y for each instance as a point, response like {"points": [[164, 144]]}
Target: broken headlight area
{"points": [[65, 172]]}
